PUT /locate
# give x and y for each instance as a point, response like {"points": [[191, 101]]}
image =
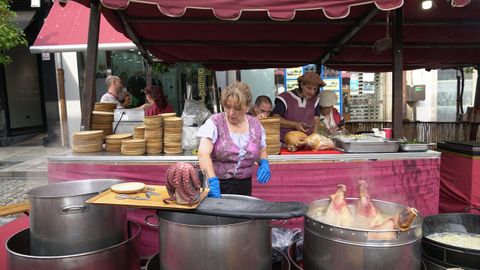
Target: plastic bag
{"points": [[190, 141], [197, 109], [282, 238]]}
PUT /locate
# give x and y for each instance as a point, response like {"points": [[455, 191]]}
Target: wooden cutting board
{"points": [[108, 197]]}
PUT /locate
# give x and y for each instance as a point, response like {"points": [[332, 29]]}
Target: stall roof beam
{"points": [[131, 34], [397, 82], [295, 22], [343, 40]]}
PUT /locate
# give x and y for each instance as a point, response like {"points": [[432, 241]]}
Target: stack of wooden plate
{"points": [[165, 115], [133, 147], [104, 107], [114, 142], [272, 130], [154, 134], [172, 136], [102, 120], [139, 132], [87, 141]]}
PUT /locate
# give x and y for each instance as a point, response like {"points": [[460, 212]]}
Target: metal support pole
{"points": [[89, 91], [397, 107]]}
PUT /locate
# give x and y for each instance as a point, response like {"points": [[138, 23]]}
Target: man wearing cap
{"points": [[330, 116], [299, 109]]}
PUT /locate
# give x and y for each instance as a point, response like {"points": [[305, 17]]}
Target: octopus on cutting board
{"points": [[183, 184]]}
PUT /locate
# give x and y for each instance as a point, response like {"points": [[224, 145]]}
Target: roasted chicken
{"points": [[297, 139], [319, 142]]}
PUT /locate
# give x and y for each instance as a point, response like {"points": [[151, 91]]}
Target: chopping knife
{"points": [[252, 209]]}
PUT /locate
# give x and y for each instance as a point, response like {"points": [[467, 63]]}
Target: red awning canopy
{"points": [[66, 30], [264, 33]]}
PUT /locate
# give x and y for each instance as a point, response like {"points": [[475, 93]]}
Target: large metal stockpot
{"points": [[62, 223], [192, 241], [329, 247], [122, 256]]}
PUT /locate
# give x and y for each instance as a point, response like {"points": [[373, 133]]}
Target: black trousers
{"points": [[236, 186]]}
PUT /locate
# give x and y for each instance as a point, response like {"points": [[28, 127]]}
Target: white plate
{"points": [[127, 188]]}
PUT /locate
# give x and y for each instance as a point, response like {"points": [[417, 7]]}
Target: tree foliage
{"points": [[10, 36]]}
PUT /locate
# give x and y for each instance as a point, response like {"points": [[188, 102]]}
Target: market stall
{"points": [[407, 178]]}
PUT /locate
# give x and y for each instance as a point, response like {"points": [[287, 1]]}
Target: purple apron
{"points": [[225, 152], [298, 110]]}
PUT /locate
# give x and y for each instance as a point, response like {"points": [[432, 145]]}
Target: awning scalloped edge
{"points": [[273, 15]]}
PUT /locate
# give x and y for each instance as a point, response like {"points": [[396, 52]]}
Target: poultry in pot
{"points": [[338, 213]]}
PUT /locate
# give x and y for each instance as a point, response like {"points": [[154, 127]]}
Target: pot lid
{"points": [[252, 209]]}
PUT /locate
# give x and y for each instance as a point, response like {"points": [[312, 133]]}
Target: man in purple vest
{"points": [[230, 144], [299, 109]]}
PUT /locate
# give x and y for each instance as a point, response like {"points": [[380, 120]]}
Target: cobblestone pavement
{"points": [[13, 190]]}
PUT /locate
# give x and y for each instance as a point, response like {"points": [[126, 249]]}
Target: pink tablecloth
{"points": [[460, 183], [411, 182]]}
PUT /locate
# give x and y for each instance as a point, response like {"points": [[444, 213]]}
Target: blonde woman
{"points": [[230, 144]]}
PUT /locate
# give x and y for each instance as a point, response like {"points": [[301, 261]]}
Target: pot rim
{"points": [[36, 257], [103, 184], [242, 222]]}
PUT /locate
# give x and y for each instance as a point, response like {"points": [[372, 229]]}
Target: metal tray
{"points": [[414, 147], [368, 145]]}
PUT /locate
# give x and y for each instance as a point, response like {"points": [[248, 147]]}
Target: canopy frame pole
{"points": [[89, 91], [397, 82], [345, 38], [131, 34]]}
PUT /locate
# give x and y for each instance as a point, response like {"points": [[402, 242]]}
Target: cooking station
{"points": [[408, 178]]}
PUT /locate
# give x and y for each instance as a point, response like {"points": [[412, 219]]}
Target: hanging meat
{"points": [[338, 213], [183, 184]]}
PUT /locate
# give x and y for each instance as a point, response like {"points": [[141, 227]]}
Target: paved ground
{"points": [[22, 167]]}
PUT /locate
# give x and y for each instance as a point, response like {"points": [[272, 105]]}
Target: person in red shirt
{"points": [[157, 101]]}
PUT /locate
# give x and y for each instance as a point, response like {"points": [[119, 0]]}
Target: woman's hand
{"points": [[300, 126], [263, 173]]}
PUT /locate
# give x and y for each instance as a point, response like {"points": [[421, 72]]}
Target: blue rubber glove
{"points": [[214, 185], [263, 173]]}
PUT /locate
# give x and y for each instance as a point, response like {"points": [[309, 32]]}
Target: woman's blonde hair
{"points": [[239, 92]]}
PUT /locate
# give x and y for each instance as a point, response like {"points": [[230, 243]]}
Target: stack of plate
{"points": [[133, 147], [172, 137], [139, 132], [105, 107], [272, 130], [87, 141], [153, 134], [102, 120], [114, 142]]}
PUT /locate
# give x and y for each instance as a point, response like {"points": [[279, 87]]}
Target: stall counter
{"points": [[407, 178]]}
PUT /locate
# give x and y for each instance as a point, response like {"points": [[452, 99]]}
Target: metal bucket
{"points": [[279, 261], [61, 223], [330, 247], [192, 241], [122, 256]]}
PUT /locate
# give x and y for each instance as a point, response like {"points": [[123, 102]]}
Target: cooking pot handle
{"points": [[154, 225], [74, 209], [281, 222]]}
